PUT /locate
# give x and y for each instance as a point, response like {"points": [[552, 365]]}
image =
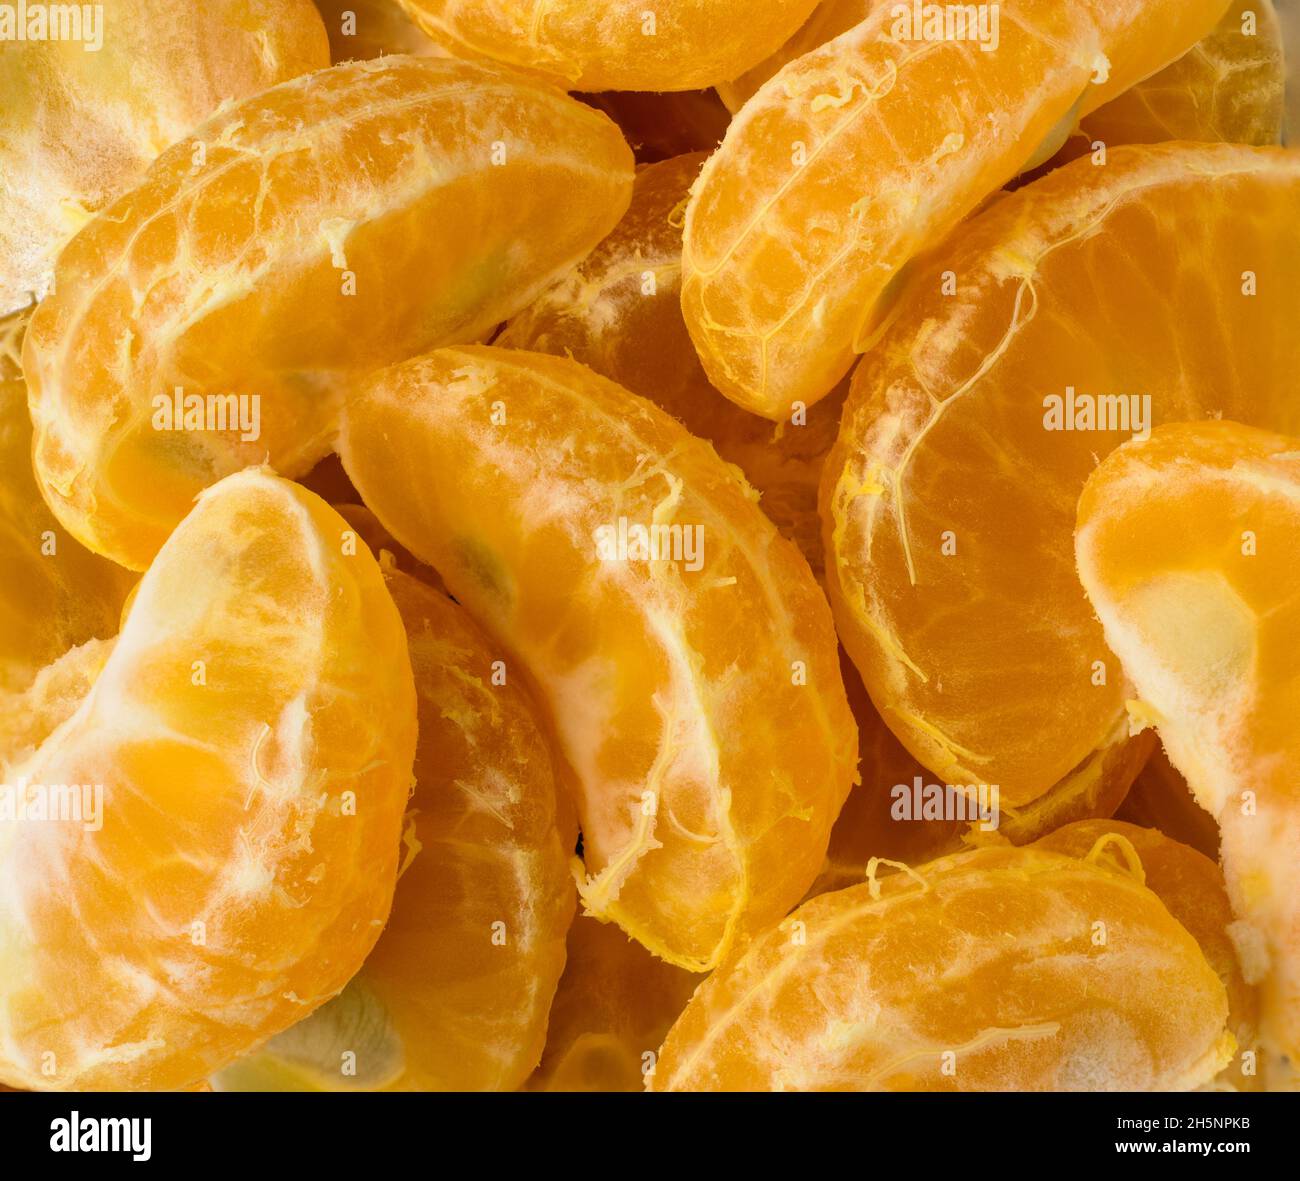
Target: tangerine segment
{"points": [[78, 128], [681, 646], [54, 594], [863, 152], [456, 993], [1186, 546], [828, 21], [905, 814], [1229, 87], [614, 1007], [1191, 887], [250, 734], [616, 44], [999, 969], [406, 202], [619, 311], [947, 501]]}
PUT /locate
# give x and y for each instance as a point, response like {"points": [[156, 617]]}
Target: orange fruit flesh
{"points": [[844, 166], [455, 994], [363, 29], [204, 271], [947, 505], [54, 594], [616, 44], [251, 733], [998, 969], [696, 696], [828, 21], [1191, 887], [615, 1004], [1160, 798], [904, 814], [1229, 87], [1186, 545], [78, 128], [619, 312]]}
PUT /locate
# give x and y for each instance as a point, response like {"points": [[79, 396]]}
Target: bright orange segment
{"points": [[243, 753], [995, 970], [948, 500], [1192, 889], [455, 995], [1230, 87], [681, 646], [1186, 546], [862, 153], [615, 44], [405, 202], [54, 594], [905, 814], [831, 18], [614, 1007], [619, 312], [79, 125]]}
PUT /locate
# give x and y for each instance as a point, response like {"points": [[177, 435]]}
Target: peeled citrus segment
{"points": [[682, 648], [455, 994], [1192, 889], [995, 970], [79, 125], [948, 499], [363, 29], [1186, 546], [828, 21], [615, 44], [904, 814], [619, 311], [405, 202], [1160, 798], [615, 1004], [54, 594], [1230, 87], [858, 155], [238, 763]]}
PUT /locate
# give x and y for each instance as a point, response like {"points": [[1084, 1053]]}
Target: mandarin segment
{"points": [[615, 44], [681, 646], [1230, 87], [406, 202], [857, 156], [905, 815], [828, 21], [54, 594], [78, 126], [993, 970], [249, 736], [456, 993], [1186, 546], [614, 1007], [619, 312], [948, 501], [1191, 887]]}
